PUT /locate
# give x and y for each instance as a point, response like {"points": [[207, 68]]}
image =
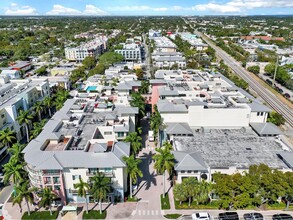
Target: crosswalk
{"points": [[148, 212]]}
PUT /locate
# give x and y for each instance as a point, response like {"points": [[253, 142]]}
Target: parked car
{"points": [[269, 81], [253, 216], [228, 216], [287, 96], [279, 90], [282, 217], [200, 216]]}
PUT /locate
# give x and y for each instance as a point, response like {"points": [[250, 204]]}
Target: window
{"points": [[2, 115], [261, 114], [75, 177], [120, 134], [108, 133]]}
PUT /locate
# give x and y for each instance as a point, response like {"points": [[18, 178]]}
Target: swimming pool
{"points": [[91, 88]]}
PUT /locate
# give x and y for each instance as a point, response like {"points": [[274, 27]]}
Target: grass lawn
{"points": [[133, 199], [165, 203], [41, 215], [94, 214], [172, 216]]}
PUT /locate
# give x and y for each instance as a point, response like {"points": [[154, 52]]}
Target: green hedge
{"points": [[193, 205], [94, 214], [172, 216], [165, 203], [40, 215]]}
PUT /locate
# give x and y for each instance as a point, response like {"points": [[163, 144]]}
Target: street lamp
{"points": [[276, 68]]}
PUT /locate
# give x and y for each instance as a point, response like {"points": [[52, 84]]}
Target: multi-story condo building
{"points": [[92, 48], [81, 139], [19, 95], [168, 59], [131, 52]]}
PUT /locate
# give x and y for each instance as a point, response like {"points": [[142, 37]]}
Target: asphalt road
{"points": [[263, 92]]}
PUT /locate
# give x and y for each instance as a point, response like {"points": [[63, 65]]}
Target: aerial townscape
{"points": [[146, 110]]}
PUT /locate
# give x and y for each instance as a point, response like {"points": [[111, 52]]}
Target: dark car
{"points": [[286, 95], [228, 216], [279, 90], [253, 216], [282, 217], [269, 81]]}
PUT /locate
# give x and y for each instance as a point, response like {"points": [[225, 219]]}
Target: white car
{"points": [[201, 216]]}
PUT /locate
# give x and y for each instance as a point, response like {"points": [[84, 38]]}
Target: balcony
{"points": [[51, 173], [107, 174]]}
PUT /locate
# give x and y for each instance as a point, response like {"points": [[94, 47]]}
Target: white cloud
{"points": [[237, 6], [130, 8], [15, 9], [160, 9], [89, 10], [93, 10], [147, 8]]}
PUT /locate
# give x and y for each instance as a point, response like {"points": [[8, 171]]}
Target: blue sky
{"points": [[143, 7]]}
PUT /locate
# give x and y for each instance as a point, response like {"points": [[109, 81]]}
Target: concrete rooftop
{"points": [[232, 148]]}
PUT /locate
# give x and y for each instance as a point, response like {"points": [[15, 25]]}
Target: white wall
{"points": [[254, 118]]}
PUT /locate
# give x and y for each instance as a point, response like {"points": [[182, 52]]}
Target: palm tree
{"points": [[164, 161], [47, 102], [13, 169], [191, 188], [179, 193], [38, 107], [156, 121], [135, 141], [47, 197], [138, 101], [22, 191], [7, 137], [37, 128], [204, 192], [16, 152], [60, 97], [82, 188], [99, 187], [144, 89], [133, 170], [25, 118]]}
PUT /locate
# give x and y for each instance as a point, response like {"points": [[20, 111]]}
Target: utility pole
{"points": [[276, 68]]}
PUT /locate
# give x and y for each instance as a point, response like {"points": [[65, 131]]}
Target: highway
{"points": [[263, 92]]}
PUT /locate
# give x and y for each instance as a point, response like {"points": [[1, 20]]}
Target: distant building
{"points": [[93, 48], [12, 74], [265, 38], [154, 33], [131, 52], [164, 44]]}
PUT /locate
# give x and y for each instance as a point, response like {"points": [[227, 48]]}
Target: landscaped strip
{"points": [[41, 215], [165, 203], [94, 214]]}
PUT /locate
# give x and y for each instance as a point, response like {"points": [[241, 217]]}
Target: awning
{"points": [[69, 208]]}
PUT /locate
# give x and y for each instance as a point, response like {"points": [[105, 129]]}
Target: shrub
{"points": [[172, 216]]}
